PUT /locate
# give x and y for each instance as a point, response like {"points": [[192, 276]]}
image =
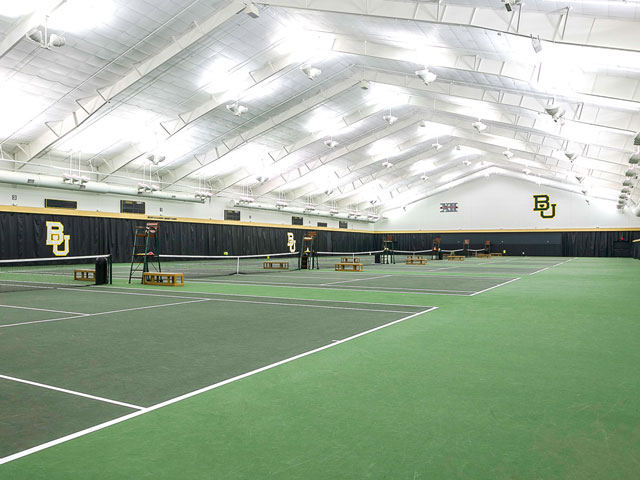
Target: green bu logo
{"points": [[542, 204]]}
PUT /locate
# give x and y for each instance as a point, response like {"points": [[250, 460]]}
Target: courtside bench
{"points": [[271, 265], [415, 260], [163, 278], [484, 255], [495, 254], [456, 257], [349, 267], [84, 274]]}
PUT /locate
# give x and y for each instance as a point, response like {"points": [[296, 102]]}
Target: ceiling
{"points": [[137, 79]]}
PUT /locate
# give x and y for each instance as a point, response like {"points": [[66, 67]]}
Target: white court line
{"points": [[495, 286], [115, 421], [551, 266], [85, 315], [41, 309], [95, 290], [303, 305], [432, 291], [72, 392], [23, 286], [354, 280]]}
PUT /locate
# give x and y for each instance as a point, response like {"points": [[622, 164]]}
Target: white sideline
{"points": [[353, 280], [551, 266], [71, 392], [115, 421], [41, 309], [85, 315], [495, 286]]}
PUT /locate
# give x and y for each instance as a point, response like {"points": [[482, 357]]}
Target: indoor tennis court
{"points": [[319, 240]]}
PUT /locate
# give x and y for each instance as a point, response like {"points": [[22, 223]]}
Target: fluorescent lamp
{"points": [[424, 178], [331, 143], [536, 43], [634, 159], [387, 164], [508, 154], [572, 156], [252, 10], [436, 146]]}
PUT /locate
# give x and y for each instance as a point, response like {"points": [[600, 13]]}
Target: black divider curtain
{"points": [[23, 235], [596, 244]]}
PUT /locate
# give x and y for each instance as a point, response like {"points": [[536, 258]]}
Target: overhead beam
{"points": [[576, 29], [89, 106], [227, 146], [282, 158]]}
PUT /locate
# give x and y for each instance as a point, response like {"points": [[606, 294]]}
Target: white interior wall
{"points": [[498, 202], [213, 209]]}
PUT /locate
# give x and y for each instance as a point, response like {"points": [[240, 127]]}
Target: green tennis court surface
{"points": [[534, 378]]}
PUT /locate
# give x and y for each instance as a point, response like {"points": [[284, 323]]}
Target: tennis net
{"points": [[206, 266], [27, 274]]}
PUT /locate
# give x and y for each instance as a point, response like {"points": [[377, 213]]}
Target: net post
{"points": [[237, 265], [110, 269]]}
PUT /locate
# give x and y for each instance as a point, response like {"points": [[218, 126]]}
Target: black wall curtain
{"points": [[23, 235], [596, 244]]}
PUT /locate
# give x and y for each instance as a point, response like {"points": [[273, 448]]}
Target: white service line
{"points": [[41, 309], [85, 315], [354, 280], [72, 392], [23, 286], [419, 291], [95, 290], [115, 421], [495, 286]]}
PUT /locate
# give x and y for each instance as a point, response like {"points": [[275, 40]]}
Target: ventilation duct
{"points": [[47, 181]]}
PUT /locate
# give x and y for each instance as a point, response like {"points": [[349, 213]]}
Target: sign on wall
{"points": [[56, 238], [542, 204], [449, 207]]}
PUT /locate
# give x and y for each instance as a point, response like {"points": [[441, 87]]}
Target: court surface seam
{"points": [[185, 396]]}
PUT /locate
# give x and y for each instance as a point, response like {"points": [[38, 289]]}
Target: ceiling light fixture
{"points": [[536, 43], [252, 10], [364, 85], [572, 156], [424, 178], [508, 154], [387, 164], [390, 119], [436, 146], [426, 76], [634, 159], [237, 109], [636, 139], [331, 143], [262, 179], [631, 173], [557, 113], [479, 126], [310, 71], [466, 162], [156, 159], [526, 171], [45, 40]]}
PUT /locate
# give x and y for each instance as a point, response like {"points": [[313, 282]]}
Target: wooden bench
{"points": [[415, 260], [163, 278], [84, 274], [484, 255], [349, 267], [350, 260], [456, 257], [270, 265], [495, 254]]}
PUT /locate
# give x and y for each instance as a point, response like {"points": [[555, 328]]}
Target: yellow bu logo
{"points": [[291, 242], [542, 204], [56, 238]]}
